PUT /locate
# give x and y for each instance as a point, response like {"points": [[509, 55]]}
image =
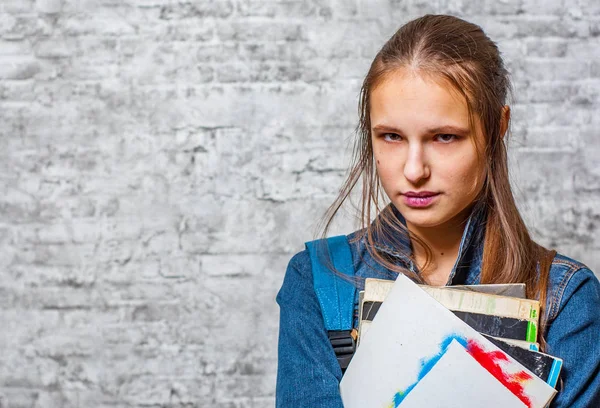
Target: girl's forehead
{"points": [[406, 96], [409, 83]]}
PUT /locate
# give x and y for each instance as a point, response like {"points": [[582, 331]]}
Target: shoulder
{"points": [[570, 280], [297, 275], [300, 262]]}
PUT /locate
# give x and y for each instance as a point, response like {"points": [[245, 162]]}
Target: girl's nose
{"points": [[415, 168]]}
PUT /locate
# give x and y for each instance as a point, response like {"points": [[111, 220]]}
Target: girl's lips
{"points": [[420, 201]]}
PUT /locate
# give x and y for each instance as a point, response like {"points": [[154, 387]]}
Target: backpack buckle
{"points": [[344, 345]]}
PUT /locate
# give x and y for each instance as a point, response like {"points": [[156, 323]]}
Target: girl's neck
{"points": [[444, 242]]}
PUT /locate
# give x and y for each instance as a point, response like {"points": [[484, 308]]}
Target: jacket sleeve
{"points": [[308, 373], [574, 336]]}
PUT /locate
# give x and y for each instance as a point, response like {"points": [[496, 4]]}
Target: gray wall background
{"points": [[162, 160]]}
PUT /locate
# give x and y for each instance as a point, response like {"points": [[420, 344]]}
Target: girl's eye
{"points": [[391, 137], [446, 138]]}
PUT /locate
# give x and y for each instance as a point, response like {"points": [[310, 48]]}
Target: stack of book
{"points": [[462, 346]]}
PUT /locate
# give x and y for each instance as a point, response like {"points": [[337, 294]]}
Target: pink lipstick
{"points": [[419, 199]]}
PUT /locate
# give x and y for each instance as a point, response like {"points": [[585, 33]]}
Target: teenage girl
{"points": [[432, 137]]}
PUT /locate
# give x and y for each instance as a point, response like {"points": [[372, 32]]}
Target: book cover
{"points": [[500, 326]]}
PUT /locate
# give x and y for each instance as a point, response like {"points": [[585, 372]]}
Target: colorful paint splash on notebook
{"points": [[490, 360]]}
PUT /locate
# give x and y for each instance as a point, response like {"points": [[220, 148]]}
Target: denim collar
{"points": [[466, 269]]}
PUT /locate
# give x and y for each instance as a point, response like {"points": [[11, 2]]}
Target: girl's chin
{"points": [[425, 217], [430, 218], [424, 224]]}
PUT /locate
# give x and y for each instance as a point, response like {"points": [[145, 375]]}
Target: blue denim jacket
{"points": [[308, 373]]}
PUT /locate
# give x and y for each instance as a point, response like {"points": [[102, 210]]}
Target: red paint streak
{"points": [[489, 360]]}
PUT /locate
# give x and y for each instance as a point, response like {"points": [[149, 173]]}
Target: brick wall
{"points": [[161, 161]]}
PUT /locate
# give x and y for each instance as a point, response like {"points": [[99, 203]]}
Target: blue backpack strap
{"points": [[335, 294]]}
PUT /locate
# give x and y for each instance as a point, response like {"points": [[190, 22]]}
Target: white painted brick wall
{"points": [[161, 161]]}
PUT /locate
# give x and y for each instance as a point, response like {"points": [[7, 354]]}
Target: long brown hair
{"points": [[461, 54]]}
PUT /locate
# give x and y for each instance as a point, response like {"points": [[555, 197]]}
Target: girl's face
{"points": [[424, 149]]}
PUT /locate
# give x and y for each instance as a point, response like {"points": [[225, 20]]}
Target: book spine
{"points": [[554, 372]]}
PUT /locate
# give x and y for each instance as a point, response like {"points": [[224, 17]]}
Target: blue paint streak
{"points": [[428, 364]]}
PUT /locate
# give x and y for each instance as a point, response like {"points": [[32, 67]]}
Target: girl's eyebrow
{"points": [[435, 130]]}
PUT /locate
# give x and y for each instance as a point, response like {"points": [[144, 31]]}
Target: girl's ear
{"points": [[504, 120]]}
